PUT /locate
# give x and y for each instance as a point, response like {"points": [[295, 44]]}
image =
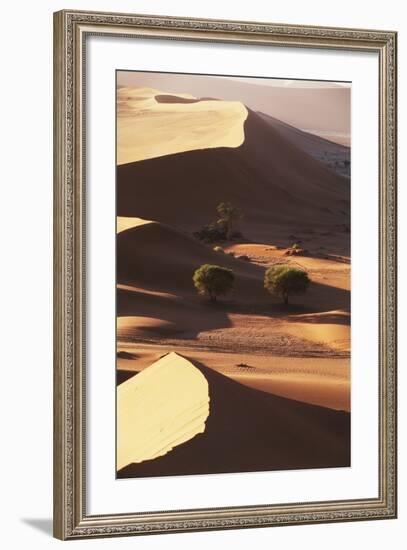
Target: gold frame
{"points": [[70, 31]]}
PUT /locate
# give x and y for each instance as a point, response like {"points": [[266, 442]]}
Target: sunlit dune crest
{"points": [[165, 405], [124, 223], [151, 123]]}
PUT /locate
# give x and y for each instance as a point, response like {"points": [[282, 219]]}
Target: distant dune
{"points": [[308, 142], [268, 176], [249, 430], [167, 98]]}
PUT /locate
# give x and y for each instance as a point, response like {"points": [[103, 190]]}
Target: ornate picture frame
{"points": [[71, 31]]}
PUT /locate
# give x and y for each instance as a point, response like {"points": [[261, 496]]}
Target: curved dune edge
{"points": [[165, 405], [124, 223], [147, 128]]}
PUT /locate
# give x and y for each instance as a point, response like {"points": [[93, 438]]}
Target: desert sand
{"points": [[276, 369], [276, 183], [164, 406], [143, 129], [248, 429]]}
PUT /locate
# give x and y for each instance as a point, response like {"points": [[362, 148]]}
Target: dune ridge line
{"points": [[150, 128]]}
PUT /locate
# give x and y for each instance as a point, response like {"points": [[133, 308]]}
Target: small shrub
{"points": [[211, 233], [213, 280], [229, 215], [284, 280], [295, 246], [244, 258], [224, 227], [218, 249]]}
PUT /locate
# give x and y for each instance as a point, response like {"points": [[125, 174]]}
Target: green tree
{"points": [[284, 280], [213, 280], [228, 216]]}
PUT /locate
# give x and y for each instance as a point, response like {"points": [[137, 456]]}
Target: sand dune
{"points": [[157, 303], [151, 124], [332, 151], [324, 108], [164, 406], [322, 328], [159, 257], [268, 176], [251, 430], [323, 381]]}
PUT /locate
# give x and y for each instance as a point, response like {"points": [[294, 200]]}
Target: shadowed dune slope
{"points": [[304, 140], [249, 430], [268, 176], [159, 257], [141, 313]]}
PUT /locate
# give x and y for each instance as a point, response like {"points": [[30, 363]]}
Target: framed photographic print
{"points": [[225, 267]]}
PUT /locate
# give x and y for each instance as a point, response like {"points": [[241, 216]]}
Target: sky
{"points": [[126, 78]]}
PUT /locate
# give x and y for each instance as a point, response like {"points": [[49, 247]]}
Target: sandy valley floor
{"points": [[300, 355]]}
